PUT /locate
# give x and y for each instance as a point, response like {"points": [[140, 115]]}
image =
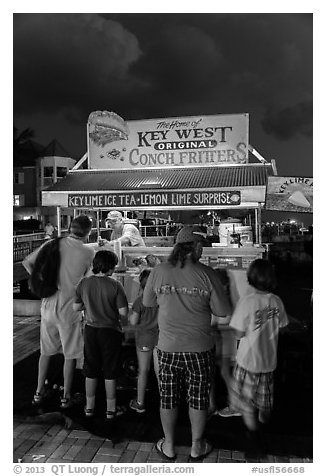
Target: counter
{"points": [[235, 260]]}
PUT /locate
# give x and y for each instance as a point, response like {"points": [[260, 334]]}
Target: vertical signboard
{"points": [[293, 194]]}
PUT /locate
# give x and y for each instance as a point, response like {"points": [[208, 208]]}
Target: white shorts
{"points": [[57, 337]]}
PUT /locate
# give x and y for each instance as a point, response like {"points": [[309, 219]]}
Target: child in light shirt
{"points": [[257, 320]]}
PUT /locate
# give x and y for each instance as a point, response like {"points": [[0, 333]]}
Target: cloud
{"points": [[290, 121], [69, 59], [181, 59], [163, 65]]}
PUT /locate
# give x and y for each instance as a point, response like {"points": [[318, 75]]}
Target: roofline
{"points": [[260, 165], [155, 190]]}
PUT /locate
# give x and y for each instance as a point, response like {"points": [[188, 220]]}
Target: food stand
{"points": [[187, 163]]}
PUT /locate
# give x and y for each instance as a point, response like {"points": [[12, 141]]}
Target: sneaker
{"points": [[134, 405], [228, 412]]}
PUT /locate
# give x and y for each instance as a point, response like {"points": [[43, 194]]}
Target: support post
{"points": [[59, 220], [258, 224], [98, 224]]}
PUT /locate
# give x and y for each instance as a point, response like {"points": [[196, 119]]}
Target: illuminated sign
{"points": [[155, 199], [293, 194], [195, 141]]}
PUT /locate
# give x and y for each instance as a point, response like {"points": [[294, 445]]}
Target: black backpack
{"points": [[44, 277]]}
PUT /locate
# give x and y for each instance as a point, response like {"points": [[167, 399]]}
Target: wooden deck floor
{"points": [[26, 334]]}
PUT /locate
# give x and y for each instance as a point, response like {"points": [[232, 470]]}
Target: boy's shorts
{"points": [[146, 341], [102, 352], [190, 370], [251, 391]]}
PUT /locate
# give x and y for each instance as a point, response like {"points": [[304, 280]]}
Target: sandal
{"points": [[159, 449], [89, 412], [207, 449], [110, 415], [76, 399], [38, 398], [66, 403]]}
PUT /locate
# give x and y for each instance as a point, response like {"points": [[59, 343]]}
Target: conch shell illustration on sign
{"points": [[105, 128]]}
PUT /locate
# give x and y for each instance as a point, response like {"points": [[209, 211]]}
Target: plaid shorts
{"points": [[191, 371], [251, 391]]}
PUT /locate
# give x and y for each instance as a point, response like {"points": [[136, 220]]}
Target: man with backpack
{"points": [[61, 326]]}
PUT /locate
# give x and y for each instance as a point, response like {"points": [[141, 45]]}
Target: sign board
{"points": [[293, 194], [232, 262], [155, 199], [229, 262], [192, 141]]}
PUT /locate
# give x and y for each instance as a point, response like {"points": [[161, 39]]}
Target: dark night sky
{"points": [[165, 65], [66, 65]]}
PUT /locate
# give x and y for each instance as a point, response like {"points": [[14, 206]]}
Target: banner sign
{"points": [[233, 262], [191, 141], [155, 199], [293, 194], [230, 262]]}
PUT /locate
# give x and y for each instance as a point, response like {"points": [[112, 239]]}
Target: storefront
{"points": [[198, 164]]}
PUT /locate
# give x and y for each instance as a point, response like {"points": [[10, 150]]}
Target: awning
{"points": [[232, 186]]}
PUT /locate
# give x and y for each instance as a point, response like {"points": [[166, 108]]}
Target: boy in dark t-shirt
{"points": [[104, 302]]}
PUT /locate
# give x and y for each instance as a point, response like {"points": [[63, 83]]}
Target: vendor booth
{"points": [[188, 163]]}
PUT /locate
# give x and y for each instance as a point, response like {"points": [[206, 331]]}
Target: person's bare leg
{"points": [[90, 388], [225, 371], [251, 421], [198, 423], [68, 375], [155, 362], [226, 374], [43, 367], [144, 363], [169, 420], [110, 390]]}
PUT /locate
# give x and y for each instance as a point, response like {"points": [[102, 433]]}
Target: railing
{"points": [[154, 230], [22, 249], [29, 237], [23, 245]]}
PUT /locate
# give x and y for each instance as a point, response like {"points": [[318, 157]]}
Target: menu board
{"points": [[155, 199]]}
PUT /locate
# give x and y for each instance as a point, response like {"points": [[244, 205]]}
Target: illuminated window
{"points": [[19, 200]]}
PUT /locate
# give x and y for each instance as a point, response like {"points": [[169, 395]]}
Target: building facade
{"points": [[38, 174]]}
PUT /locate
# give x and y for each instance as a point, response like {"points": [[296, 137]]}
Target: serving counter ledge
{"points": [[217, 257]]}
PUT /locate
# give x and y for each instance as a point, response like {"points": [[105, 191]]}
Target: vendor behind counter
{"points": [[126, 233]]}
